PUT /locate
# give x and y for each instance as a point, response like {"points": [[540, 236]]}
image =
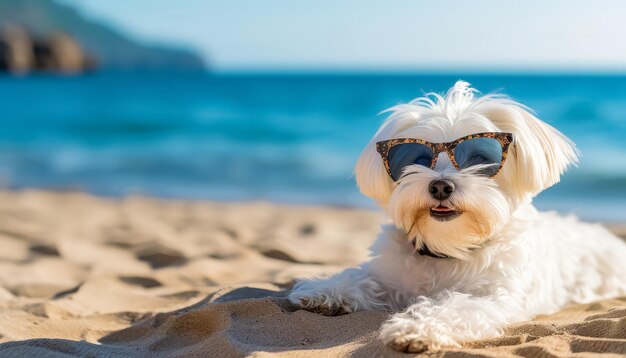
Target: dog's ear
{"points": [[371, 176], [540, 153]]}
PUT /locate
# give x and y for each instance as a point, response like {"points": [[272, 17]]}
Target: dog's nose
{"points": [[441, 189]]}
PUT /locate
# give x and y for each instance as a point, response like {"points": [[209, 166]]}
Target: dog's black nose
{"points": [[441, 189]]}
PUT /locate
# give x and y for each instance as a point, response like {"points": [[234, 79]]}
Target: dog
{"points": [[465, 252]]}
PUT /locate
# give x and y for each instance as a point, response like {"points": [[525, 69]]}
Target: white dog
{"points": [[466, 253]]}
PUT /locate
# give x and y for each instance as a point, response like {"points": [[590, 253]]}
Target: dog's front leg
{"points": [[449, 320], [348, 291]]}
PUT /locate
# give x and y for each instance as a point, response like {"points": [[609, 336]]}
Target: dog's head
{"points": [[454, 207]]}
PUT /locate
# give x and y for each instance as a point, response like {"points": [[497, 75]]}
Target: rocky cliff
{"points": [[46, 35]]}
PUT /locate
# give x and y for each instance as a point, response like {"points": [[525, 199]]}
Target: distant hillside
{"points": [[110, 48]]}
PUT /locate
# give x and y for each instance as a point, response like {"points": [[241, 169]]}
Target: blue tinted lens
{"points": [[406, 154], [479, 151]]}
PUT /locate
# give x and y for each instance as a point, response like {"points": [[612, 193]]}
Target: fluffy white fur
{"points": [[508, 262]]}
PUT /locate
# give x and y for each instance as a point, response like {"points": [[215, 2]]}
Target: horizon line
{"points": [[417, 72]]}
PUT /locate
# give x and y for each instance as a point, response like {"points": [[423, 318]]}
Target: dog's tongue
{"points": [[442, 209]]}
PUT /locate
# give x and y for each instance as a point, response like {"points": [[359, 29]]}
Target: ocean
{"points": [[290, 138]]}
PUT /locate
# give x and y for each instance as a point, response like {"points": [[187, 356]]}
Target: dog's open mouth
{"points": [[444, 213]]}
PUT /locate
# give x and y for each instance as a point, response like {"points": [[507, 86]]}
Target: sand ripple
{"points": [[84, 276]]}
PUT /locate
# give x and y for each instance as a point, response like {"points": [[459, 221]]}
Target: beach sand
{"points": [[86, 276]]}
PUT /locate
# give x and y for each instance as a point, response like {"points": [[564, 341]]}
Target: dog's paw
{"points": [[320, 300], [410, 335], [321, 303], [326, 308], [410, 343]]}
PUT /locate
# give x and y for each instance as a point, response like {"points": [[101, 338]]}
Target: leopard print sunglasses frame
{"points": [[505, 140]]}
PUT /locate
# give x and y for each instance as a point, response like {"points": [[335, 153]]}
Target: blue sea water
{"points": [[288, 138]]}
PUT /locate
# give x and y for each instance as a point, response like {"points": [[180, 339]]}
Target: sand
{"points": [[86, 276]]}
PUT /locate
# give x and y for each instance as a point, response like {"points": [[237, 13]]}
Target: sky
{"points": [[395, 35]]}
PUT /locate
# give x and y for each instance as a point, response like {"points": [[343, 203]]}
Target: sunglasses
{"points": [[485, 149]]}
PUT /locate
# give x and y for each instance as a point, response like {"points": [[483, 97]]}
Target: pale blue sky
{"points": [[391, 35]]}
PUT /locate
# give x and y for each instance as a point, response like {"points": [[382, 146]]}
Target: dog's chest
{"points": [[415, 276]]}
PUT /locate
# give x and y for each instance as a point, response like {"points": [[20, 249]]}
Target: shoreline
{"points": [[618, 225]]}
